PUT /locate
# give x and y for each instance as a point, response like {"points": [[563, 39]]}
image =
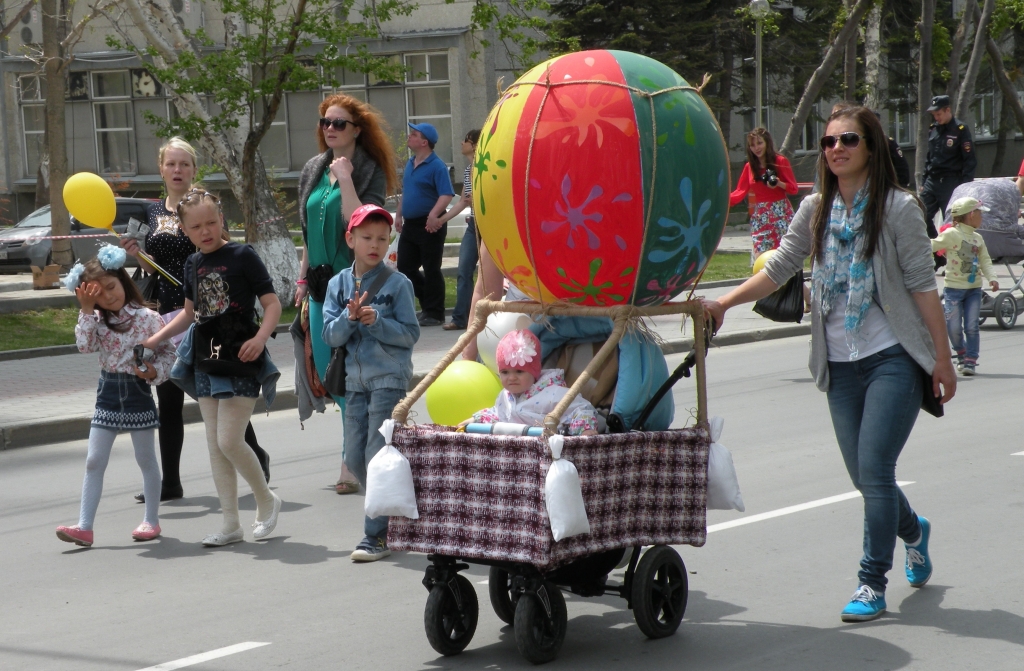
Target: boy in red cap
{"points": [[369, 310], [530, 393]]}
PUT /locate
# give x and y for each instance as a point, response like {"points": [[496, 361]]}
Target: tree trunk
{"points": [[725, 91], [872, 57], [821, 75], [56, 143], [43, 181], [924, 88], [265, 228], [1005, 126], [959, 40], [850, 63], [1006, 87], [966, 95]]}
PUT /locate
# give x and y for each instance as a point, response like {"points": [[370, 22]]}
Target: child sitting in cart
{"points": [[530, 393]]}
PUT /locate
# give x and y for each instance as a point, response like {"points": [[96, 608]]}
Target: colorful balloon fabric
{"points": [[90, 200], [581, 195]]}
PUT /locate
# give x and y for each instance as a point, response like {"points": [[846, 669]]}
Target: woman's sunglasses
{"points": [[849, 139], [336, 124]]}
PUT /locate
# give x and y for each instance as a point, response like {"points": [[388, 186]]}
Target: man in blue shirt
{"points": [[426, 192]]}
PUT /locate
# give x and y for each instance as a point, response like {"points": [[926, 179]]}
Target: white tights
{"points": [[225, 421]]}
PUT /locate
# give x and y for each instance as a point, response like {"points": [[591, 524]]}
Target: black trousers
{"points": [[171, 433], [935, 195], [417, 248]]}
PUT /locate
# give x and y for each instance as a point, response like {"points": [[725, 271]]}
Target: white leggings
{"points": [[225, 421]]}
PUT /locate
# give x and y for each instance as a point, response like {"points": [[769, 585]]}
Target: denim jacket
{"points": [[378, 356], [183, 374]]}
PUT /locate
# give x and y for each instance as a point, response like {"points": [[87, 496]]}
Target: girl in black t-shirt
{"points": [[226, 277]]}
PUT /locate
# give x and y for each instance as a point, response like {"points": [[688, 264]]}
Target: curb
{"points": [[30, 434]]}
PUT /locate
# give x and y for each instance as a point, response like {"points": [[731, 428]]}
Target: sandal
{"points": [[346, 487], [452, 326]]}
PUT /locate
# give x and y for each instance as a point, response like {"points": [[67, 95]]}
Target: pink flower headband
{"points": [[519, 349]]}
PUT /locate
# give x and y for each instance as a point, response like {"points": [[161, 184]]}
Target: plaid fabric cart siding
{"points": [[482, 497]]}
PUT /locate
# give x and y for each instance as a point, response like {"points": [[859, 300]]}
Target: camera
{"points": [[141, 354], [770, 177]]}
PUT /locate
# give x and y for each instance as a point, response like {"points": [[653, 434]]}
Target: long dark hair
{"points": [[881, 181], [93, 271], [769, 151]]}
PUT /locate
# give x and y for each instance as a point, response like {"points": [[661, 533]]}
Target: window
{"points": [[902, 125], [274, 145], [984, 110], [33, 116], [428, 97], [114, 122], [810, 135]]}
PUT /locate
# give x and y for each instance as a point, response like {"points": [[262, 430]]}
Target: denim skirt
{"points": [[124, 402]]}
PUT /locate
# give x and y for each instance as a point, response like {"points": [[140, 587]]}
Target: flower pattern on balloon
{"points": [[661, 294], [575, 216], [683, 237], [601, 107]]}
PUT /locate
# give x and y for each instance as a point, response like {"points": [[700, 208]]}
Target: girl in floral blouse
{"points": [[530, 393], [113, 320]]}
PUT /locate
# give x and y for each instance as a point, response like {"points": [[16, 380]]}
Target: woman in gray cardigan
{"points": [[356, 167], [878, 339]]}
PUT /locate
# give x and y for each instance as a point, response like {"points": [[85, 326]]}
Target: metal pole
{"points": [[757, 86]]}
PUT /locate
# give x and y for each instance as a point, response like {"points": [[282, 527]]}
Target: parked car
{"points": [[25, 245]]}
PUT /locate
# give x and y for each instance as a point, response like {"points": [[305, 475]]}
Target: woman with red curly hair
{"points": [[356, 166]]}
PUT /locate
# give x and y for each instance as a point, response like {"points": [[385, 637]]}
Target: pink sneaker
{"points": [[75, 535], [146, 532]]}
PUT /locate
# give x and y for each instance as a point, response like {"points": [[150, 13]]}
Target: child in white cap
{"points": [[966, 255]]}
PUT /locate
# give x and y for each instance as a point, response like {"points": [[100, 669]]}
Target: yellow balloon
{"points": [[90, 200], [462, 389], [761, 260]]}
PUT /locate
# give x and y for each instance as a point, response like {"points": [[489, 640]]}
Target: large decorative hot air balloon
{"points": [[583, 195]]}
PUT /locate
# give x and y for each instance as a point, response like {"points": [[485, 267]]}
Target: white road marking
{"points": [[622, 625], [1017, 454], [483, 582], [789, 510], [205, 656]]}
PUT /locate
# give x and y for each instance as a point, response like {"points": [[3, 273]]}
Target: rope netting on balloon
{"points": [[635, 318]]}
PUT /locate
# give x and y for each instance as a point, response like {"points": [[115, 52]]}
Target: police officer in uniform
{"points": [[951, 160]]}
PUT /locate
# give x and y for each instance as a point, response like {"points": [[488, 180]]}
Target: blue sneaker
{"points": [[865, 605], [919, 564], [371, 549]]}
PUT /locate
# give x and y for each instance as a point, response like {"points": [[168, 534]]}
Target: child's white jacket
{"points": [[535, 403]]}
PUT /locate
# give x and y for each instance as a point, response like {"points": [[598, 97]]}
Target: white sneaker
{"points": [[266, 527], [219, 539]]}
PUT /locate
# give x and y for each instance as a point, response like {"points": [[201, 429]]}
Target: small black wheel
{"points": [[660, 591], [539, 636], [499, 585], [1005, 309], [451, 615]]}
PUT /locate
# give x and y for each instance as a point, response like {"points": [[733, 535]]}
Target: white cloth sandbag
{"points": [[723, 487], [389, 488], [564, 496]]}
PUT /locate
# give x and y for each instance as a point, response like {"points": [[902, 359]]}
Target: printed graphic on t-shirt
{"points": [[967, 255], [213, 295], [166, 223]]}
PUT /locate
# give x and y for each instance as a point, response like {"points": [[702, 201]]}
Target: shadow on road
{"points": [[923, 608]]}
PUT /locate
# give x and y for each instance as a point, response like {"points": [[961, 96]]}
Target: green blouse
{"points": [[325, 235]]}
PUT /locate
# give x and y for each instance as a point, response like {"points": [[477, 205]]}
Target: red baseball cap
{"points": [[364, 211]]}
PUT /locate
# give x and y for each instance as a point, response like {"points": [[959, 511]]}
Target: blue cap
{"points": [[427, 130]]}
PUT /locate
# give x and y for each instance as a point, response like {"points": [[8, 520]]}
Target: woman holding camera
{"points": [[769, 179], [356, 167]]}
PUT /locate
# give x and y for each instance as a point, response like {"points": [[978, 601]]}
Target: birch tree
{"points": [[966, 95], [924, 88], [872, 56], [227, 94]]}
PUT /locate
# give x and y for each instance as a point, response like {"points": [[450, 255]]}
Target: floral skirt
{"points": [[768, 224]]}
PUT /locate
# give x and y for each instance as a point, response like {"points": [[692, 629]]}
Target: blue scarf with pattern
{"points": [[844, 269]]}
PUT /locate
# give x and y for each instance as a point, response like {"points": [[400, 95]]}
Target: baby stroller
{"points": [[1004, 239], [481, 500]]}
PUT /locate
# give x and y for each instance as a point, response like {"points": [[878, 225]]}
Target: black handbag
{"points": [[149, 285], [217, 340], [334, 376], [785, 304], [317, 279], [929, 403]]}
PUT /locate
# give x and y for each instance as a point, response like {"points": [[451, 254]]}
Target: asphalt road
{"points": [[764, 595]]}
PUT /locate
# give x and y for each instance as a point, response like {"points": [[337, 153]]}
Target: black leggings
{"points": [[171, 400]]}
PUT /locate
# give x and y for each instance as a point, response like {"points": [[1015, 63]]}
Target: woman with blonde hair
{"points": [[168, 245], [356, 166]]}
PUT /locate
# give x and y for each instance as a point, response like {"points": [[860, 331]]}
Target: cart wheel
{"points": [[1005, 309], [451, 615], [659, 592], [499, 586], [539, 636]]}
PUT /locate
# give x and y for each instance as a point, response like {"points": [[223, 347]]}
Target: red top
{"points": [[1020, 173], [762, 192]]}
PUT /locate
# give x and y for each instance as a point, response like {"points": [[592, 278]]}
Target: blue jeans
{"points": [[469, 255], [962, 307], [874, 403], [364, 414]]}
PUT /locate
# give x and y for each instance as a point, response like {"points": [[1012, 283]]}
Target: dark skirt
{"points": [[248, 387], [124, 402]]}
